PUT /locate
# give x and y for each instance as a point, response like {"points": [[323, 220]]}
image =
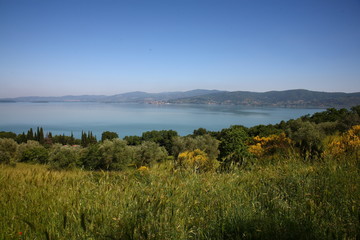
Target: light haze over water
{"points": [[134, 119]]}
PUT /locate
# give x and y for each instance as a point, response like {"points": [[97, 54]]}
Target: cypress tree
{"points": [[30, 134], [41, 136]]}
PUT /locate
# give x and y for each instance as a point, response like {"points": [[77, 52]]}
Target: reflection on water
{"points": [[133, 119]]}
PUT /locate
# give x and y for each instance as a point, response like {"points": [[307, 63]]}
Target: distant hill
{"points": [[143, 97], [289, 98], [131, 97]]}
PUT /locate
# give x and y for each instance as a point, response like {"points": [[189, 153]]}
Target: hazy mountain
{"points": [[289, 98], [139, 97]]}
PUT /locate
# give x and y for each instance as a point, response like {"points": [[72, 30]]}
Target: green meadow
{"points": [[286, 199]]}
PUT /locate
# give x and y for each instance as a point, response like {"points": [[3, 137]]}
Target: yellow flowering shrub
{"points": [[196, 160], [347, 143], [269, 145]]}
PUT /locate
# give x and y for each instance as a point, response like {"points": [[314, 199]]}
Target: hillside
{"points": [[289, 98], [130, 97]]}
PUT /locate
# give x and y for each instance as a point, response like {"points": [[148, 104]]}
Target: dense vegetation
{"points": [[289, 98], [294, 180]]}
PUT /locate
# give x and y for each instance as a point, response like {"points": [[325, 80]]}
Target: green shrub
{"points": [[32, 151], [114, 154], [148, 153], [64, 157], [206, 143], [8, 148]]}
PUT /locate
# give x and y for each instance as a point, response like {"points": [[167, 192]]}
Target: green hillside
{"points": [[289, 98]]}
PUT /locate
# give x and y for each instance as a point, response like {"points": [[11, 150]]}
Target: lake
{"points": [[134, 119]]}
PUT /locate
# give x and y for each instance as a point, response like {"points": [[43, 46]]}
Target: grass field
{"points": [[287, 199]]}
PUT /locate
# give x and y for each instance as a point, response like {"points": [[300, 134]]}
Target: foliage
{"points": [[200, 132], [114, 155], [197, 161], [8, 148], [90, 157], [263, 130], [11, 135], [265, 146], [205, 143], [87, 139], [348, 144], [64, 157], [149, 153], [308, 138], [133, 140], [164, 138], [62, 139], [233, 148], [32, 151], [330, 115], [107, 135]]}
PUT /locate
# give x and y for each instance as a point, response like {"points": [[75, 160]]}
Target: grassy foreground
{"points": [[288, 199]]}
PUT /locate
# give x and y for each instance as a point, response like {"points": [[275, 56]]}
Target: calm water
{"points": [[134, 119]]}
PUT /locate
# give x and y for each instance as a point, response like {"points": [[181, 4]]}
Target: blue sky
{"points": [[55, 48]]}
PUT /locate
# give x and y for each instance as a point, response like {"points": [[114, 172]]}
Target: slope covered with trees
{"points": [[290, 98]]}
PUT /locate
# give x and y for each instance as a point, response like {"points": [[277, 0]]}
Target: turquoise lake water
{"points": [[134, 119]]}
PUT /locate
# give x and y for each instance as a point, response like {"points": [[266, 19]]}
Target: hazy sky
{"points": [[54, 48]]}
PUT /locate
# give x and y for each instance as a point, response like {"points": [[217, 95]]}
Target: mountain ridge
{"points": [[285, 98]]}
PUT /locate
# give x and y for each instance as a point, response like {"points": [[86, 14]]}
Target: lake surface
{"points": [[134, 119]]}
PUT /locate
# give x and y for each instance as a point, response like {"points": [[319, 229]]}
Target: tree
{"points": [[91, 157], [64, 157], [263, 130], [30, 134], [164, 138], [39, 135], [21, 138], [7, 135], [8, 148], [133, 140], [308, 138], [233, 148], [148, 153], [115, 155], [205, 143], [32, 151], [108, 135], [200, 132], [87, 139]]}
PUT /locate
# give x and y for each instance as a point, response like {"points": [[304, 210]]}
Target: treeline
{"points": [[333, 132]]}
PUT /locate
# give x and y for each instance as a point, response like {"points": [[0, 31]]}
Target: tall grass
{"points": [[287, 199]]}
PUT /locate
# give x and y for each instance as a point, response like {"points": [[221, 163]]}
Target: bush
{"points": [[197, 161], [8, 148], [308, 138], [64, 157], [205, 143], [114, 155], [33, 152], [148, 153], [108, 135], [233, 148]]}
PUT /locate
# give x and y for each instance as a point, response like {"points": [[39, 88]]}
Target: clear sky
{"points": [[55, 48]]}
